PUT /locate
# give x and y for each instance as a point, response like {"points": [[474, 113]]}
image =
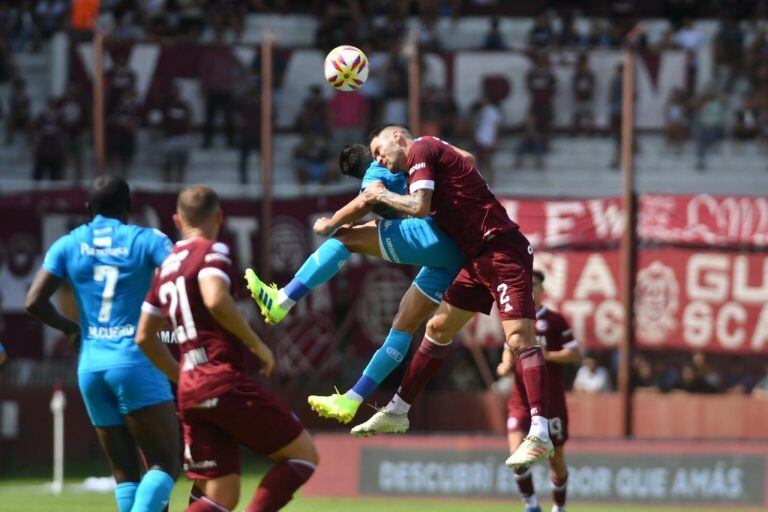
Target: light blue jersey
{"points": [[394, 182], [109, 265]]}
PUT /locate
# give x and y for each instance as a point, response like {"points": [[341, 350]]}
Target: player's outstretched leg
{"points": [[322, 265], [426, 362], [415, 307], [532, 368], [296, 462]]}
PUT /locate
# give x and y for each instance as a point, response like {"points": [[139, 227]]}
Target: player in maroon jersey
{"points": [[444, 182], [219, 407], [559, 347]]}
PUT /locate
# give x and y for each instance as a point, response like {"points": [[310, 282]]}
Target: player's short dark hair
{"points": [[354, 160], [377, 131], [538, 274], [196, 204], [109, 196]]}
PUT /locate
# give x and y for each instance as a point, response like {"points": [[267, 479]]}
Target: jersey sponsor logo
{"points": [[112, 332], [167, 337], [416, 167], [194, 358], [173, 262], [87, 250], [215, 256], [542, 325]]}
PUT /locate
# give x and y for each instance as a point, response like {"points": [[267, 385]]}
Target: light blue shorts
{"points": [[421, 242], [111, 394]]}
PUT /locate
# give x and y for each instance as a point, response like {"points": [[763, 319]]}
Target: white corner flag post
{"points": [[58, 404]]}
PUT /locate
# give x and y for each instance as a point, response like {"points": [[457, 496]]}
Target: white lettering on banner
{"points": [[742, 291], [707, 277], [596, 279], [716, 219], [657, 295], [555, 268], [578, 311], [760, 336], [645, 483], [609, 321], [436, 477], [607, 218], [243, 228], [717, 482], [731, 337], [561, 221], [697, 324]]}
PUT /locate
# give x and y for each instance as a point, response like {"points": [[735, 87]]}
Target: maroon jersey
{"points": [[211, 358], [553, 333], [462, 204]]}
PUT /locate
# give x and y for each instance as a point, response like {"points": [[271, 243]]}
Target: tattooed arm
{"points": [[418, 204]]}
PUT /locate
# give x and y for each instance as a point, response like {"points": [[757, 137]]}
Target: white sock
{"points": [[539, 428], [397, 406], [352, 395], [284, 301], [532, 501]]}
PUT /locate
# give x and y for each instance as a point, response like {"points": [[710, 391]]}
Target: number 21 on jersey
{"points": [[174, 294]]}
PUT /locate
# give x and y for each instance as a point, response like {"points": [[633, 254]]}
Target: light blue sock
{"points": [[386, 359], [124, 495], [153, 492], [323, 264]]}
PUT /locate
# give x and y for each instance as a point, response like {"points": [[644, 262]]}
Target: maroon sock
{"points": [[205, 504], [524, 481], [531, 365], [558, 490], [427, 360], [279, 484]]}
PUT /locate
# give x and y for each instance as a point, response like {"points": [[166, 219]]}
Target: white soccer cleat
{"points": [[531, 451], [382, 423]]}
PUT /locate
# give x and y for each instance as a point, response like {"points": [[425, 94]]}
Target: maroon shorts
{"points": [[248, 415], [519, 417], [502, 272]]}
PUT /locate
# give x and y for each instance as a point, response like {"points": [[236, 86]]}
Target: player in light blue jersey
{"points": [[109, 265], [412, 241]]}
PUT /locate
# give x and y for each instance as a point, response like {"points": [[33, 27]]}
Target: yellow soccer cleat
{"points": [[530, 451], [266, 297], [336, 406], [382, 423]]}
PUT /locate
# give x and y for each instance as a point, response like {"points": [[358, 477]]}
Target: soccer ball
{"points": [[346, 68]]}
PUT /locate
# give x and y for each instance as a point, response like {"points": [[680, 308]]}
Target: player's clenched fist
{"points": [[323, 226], [373, 191], [264, 353], [504, 368]]}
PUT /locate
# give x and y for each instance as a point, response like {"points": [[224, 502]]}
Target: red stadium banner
{"points": [[688, 298]]}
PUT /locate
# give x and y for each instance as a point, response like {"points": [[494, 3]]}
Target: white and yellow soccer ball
{"points": [[346, 68]]}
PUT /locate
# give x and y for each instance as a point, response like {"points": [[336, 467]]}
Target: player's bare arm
{"points": [[221, 305], [507, 363], [354, 210], [568, 355], [155, 350], [418, 204], [39, 305]]}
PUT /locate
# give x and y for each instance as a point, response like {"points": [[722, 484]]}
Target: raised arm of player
{"points": [[416, 204], [155, 350], [354, 210], [38, 304], [217, 299]]}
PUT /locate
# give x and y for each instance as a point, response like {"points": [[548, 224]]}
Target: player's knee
{"points": [[437, 329], [347, 238]]}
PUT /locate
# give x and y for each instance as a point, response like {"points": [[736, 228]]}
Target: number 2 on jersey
{"points": [[109, 275], [175, 293]]}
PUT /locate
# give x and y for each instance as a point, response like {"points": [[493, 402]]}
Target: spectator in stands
{"points": [[50, 15], [706, 371], [175, 118], [709, 124], [121, 127], [120, 79], [348, 112], [591, 378], [248, 121], [569, 37], [494, 39], [601, 35], [25, 34], [19, 115], [438, 112], [541, 34], [313, 115], [531, 142], [643, 377], [312, 159], [583, 93], [746, 119], [761, 388], [219, 72], [729, 53], [690, 39], [541, 86], [426, 31], [49, 149], [126, 29], [74, 117], [486, 121], [738, 378], [690, 381], [395, 106], [677, 119]]}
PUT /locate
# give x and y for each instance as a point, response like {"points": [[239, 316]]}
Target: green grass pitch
{"points": [[30, 495]]}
